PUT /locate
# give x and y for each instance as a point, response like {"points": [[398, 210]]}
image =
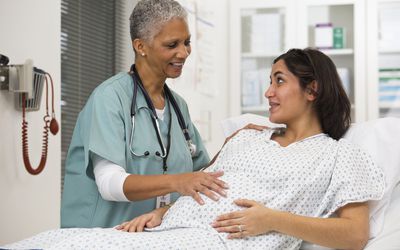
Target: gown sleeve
{"points": [[355, 178]]}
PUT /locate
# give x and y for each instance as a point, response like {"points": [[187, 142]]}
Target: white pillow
{"points": [[381, 139]]}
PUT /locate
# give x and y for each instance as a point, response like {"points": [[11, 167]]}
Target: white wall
{"points": [[216, 103], [29, 204]]}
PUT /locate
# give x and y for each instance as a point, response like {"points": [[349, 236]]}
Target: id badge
{"points": [[163, 200]]}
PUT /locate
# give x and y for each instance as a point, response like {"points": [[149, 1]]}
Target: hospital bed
{"points": [[381, 138]]}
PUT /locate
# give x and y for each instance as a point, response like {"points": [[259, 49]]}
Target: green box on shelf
{"points": [[339, 38]]}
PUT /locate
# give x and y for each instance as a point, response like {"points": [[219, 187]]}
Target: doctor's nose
{"points": [[184, 51]]}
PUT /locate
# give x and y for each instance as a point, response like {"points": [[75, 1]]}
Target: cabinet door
{"points": [[259, 33], [383, 53], [348, 17]]}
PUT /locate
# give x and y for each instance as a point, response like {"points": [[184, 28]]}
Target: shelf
{"points": [[389, 51], [331, 52], [337, 52], [389, 106], [260, 55], [260, 108]]}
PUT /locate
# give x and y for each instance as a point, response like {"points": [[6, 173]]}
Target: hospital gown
{"points": [[312, 177]]}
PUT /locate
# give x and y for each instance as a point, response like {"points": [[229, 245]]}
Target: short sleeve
{"points": [[104, 129], [355, 178]]}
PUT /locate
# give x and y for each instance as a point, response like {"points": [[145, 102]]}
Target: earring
{"points": [[143, 54]]}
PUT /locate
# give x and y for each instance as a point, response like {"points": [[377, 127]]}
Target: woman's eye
{"points": [[187, 43], [279, 80]]}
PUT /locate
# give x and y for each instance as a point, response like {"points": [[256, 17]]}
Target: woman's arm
{"points": [[349, 231]]}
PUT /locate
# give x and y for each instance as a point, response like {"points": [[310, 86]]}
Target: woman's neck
{"points": [[299, 130], [153, 84]]}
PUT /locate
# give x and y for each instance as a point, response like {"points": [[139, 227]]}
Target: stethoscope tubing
{"points": [[150, 107]]}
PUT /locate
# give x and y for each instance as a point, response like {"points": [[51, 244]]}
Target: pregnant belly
{"points": [[186, 212]]}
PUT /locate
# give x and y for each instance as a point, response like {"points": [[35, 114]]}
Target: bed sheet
{"points": [[100, 238]]}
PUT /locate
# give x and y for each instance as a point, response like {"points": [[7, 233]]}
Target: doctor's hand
{"points": [[148, 220], [191, 184], [255, 219]]}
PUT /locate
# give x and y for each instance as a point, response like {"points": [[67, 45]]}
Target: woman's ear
{"points": [[312, 90], [138, 46]]}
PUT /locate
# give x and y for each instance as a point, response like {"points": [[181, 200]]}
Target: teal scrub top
{"points": [[104, 128]]}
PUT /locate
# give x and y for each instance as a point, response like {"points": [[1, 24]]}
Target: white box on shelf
{"points": [[266, 33], [250, 88], [323, 35], [264, 83], [344, 75]]}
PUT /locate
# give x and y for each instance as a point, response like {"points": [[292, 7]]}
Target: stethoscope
{"points": [[137, 82]]}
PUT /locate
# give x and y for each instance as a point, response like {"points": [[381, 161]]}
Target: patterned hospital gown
{"points": [[312, 177]]}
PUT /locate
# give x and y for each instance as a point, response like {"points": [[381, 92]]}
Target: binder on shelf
{"points": [[389, 87]]}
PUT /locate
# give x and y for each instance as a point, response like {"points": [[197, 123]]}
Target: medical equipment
{"points": [[27, 82], [170, 99]]}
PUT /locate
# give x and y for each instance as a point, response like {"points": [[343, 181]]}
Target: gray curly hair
{"points": [[149, 16]]}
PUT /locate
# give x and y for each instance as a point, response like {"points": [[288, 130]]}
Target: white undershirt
{"points": [[160, 113], [110, 177]]}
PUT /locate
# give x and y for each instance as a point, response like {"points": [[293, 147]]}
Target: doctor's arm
{"points": [[148, 220], [115, 184], [350, 230], [141, 187]]}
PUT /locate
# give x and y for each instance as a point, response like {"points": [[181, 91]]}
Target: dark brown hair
{"points": [[332, 103]]}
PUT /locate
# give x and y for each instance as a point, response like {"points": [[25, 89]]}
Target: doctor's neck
{"points": [[152, 82]]}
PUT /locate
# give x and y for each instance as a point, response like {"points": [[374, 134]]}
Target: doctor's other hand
{"points": [[207, 183], [248, 126], [148, 220], [254, 220]]}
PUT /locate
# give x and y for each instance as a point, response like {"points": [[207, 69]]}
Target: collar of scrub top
{"points": [[137, 83], [170, 98]]}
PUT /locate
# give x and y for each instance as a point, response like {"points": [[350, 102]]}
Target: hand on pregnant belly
{"points": [[253, 220]]}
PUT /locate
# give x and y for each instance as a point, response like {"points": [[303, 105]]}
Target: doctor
{"points": [[134, 147]]}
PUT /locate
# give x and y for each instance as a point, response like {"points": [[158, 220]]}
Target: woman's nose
{"points": [[269, 92]]}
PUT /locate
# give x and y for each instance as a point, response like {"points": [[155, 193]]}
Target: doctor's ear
{"points": [[138, 46]]}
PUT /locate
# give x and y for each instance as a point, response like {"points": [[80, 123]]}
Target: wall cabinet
{"points": [[262, 30], [383, 58]]}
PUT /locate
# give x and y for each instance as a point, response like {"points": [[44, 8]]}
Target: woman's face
{"points": [[288, 101], [167, 53]]}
